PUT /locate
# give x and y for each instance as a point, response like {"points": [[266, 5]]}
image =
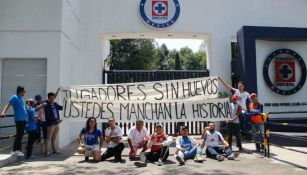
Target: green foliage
{"points": [[136, 54]]}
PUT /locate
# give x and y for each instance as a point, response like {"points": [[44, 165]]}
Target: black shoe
{"points": [[140, 164], [180, 160], [86, 158]]}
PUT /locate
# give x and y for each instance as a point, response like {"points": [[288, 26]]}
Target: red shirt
{"points": [[158, 140]]}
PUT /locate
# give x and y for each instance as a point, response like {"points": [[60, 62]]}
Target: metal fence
{"points": [[133, 76]]}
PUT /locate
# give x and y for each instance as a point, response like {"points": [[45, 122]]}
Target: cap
{"points": [[159, 124], [38, 97], [253, 95], [235, 97]]}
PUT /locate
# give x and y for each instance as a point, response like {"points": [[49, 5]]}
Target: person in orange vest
{"points": [[256, 109], [158, 143]]}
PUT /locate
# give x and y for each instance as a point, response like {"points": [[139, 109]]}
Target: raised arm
{"points": [[228, 87], [57, 92]]}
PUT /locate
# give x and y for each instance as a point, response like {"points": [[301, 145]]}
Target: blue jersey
{"points": [[18, 107], [32, 124], [91, 138], [186, 143]]}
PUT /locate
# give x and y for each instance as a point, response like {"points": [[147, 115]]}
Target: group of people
{"points": [[34, 116], [153, 147], [43, 115], [246, 116]]}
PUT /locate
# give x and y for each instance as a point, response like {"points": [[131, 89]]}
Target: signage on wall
{"points": [[159, 14], [284, 71]]}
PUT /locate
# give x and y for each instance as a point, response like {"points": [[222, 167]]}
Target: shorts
{"points": [[88, 150]]}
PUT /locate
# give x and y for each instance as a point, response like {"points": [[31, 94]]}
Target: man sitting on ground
{"points": [[214, 150], [187, 147], [137, 138], [159, 143]]}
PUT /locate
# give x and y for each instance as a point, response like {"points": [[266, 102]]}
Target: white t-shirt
{"points": [[213, 139], [117, 132], [234, 110], [243, 97], [136, 136]]}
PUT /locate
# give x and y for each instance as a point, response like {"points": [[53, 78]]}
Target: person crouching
{"points": [[159, 148], [187, 147]]}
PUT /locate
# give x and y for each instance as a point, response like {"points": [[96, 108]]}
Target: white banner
{"points": [[161, 101]]}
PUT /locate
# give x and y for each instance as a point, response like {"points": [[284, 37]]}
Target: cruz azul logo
{"points": [[284, 71], [159, 14]]}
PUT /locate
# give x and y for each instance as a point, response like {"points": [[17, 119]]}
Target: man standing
{"points": [[20, 118], [214, 150], [233, 125], [187, 147], [257, 123], [137, 138], [114, 137], [159, 143], [243, 101], [52, 121]]}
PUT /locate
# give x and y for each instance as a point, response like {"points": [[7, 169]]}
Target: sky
{"points": [[179, 43]]}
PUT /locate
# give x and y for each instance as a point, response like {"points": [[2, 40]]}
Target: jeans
{"points": [[32, 135], [212, 152], [258, 134], [190, 154], [20, 128], [155, 156], [234, 129], [116, 152]]}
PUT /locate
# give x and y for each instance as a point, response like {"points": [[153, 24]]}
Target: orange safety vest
{"points": [[257, 118]]}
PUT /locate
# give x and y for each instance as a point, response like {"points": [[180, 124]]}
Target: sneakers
{"points": [[140, 164], [160, 163], [231, 157], [17, 153], [180, 160], [220, 158], [198, 158]]}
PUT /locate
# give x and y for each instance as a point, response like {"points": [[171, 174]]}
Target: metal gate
{"points": [[132, 76]]}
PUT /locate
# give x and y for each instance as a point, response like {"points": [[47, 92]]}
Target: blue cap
{"points": [[38, 97]]}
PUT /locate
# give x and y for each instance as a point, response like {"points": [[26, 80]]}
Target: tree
{"points": [[177, 62], [162, 58], [132, 54]]}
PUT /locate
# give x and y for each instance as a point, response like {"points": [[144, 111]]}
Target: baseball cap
{"points": [[38, 97]]}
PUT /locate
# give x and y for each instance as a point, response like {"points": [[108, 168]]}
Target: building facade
{"points": [[45, 44]]}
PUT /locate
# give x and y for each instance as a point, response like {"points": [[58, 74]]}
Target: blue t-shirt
{"points": [[19, 108], [91, 138], [32, 124], [186, 143]]}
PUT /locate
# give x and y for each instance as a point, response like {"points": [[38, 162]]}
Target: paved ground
{"points": [[69, 163]]}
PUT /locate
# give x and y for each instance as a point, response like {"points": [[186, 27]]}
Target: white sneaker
{"points": [[160, 163], [14, 153], [19, 154]]}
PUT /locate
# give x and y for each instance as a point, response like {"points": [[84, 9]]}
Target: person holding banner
{"points": [[137, 138], [244, 101], [114, 137], [20, 117], [257, 122], [159, 144], [52, 121], [93, 140], [187, 147], [212, 139], [233, 125]]}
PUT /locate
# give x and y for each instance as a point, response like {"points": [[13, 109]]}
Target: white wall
{"points": [[266, 95], [220, 19]]}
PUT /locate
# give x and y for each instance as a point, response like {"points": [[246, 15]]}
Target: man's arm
{"points": [[178, 144], [225, 143], [168, 141], [228, 87], [7, 107], [203, 142], [57, 92]]}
